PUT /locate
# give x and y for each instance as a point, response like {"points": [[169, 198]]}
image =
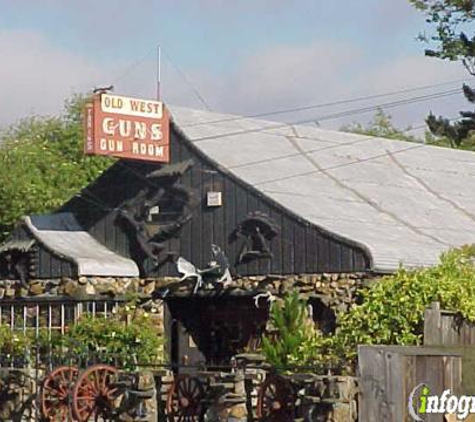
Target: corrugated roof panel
{"points": [[407, 203], [62, 234]]}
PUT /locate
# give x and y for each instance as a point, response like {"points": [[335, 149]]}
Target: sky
{"points": [[242, 56]]}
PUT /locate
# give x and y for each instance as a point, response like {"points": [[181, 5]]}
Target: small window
{"points": [[153, 214]]}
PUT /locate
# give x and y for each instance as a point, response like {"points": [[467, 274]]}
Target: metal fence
{"points": [[52, 315]]}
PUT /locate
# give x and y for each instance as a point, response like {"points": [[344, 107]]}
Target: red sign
{"points": [[127, 128]]}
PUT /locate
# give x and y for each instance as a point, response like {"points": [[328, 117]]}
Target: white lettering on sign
{"points": [[131, 106], [89, 128], [111, 145], [129, 129], [148, 150]]}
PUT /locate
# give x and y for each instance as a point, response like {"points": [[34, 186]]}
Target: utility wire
{"points": [[328, 104], [187, 80], [175, 66], [347, 113], [362, 160], [364, 138], [352, 112], [202, 100], [274, 112], [132, 67], [337, 166], [95, 200]]}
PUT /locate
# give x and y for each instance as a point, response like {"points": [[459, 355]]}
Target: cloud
{"points": [[36, 78], [288, 76], [394, 16], [416, 71]]}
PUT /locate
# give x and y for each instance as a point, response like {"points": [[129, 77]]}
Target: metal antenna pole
{"points": [[159, 72]]}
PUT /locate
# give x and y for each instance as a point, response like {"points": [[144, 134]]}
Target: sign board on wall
{"points": [[127, 128]]}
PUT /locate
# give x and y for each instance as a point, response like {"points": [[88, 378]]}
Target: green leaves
{"points": [[389, 312], [392, 311], [296, 342], [109, 340], [135, 342], [381, 126], [42, 164], [451, 21]]}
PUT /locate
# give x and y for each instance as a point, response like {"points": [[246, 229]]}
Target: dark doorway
{"points": [[213, 329]]}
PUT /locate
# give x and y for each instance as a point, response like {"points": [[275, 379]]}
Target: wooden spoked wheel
{"points": [[56, 393], [185, 399], [96, 394], [276, 400]]}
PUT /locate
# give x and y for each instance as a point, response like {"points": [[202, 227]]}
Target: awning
{"points": [[17, 245], [62, 234]]}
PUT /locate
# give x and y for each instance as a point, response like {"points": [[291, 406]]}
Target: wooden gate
{"points": [[388, 375]]}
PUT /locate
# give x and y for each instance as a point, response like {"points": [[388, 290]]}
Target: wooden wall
{"points": [[388, 374], [298, 248], [445, 328], [44, 264]]}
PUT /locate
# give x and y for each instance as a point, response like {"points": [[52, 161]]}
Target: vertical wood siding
{"points": [[299, 247]]}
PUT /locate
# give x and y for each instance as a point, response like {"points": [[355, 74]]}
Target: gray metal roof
{"points": [[17, 245], [62, 234], [405, 203]]}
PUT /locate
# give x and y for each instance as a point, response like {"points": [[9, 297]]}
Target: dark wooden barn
{"points": [[268, 199]]}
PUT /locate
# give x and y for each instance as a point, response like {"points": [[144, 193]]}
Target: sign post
{"points": [[127, 127]]}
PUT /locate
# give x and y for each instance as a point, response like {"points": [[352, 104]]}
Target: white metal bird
{"points": [[189, 270], [268, 295], [223, 263]]}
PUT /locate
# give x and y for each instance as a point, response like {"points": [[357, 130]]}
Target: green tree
{"points": [[291, 327], [382, 126], [42, 164], [450, 22], [294, 341]]}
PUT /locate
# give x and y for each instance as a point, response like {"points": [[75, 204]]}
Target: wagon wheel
{"points": [[276, 400], [96, 394], [56, 393], [185, 399]]}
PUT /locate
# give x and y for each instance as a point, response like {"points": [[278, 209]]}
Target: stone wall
{"points": [[234, 396], [328, 293], [82, 288], [334, 396], [17, 394], [336, 289]]}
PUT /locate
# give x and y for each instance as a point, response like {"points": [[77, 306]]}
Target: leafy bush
{"points": [[12, 343], [392, 311], [112, 340], [389, 312]]}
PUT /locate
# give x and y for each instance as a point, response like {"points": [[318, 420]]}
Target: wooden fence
{"points": [[388, 374], [447, 329]]}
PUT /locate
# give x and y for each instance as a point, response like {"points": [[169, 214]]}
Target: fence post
{"points": [[432, 325]]}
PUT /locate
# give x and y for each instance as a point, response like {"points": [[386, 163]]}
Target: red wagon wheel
{"points": [[276, 400], [185, 399], [56, 393], [96, 394]]}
